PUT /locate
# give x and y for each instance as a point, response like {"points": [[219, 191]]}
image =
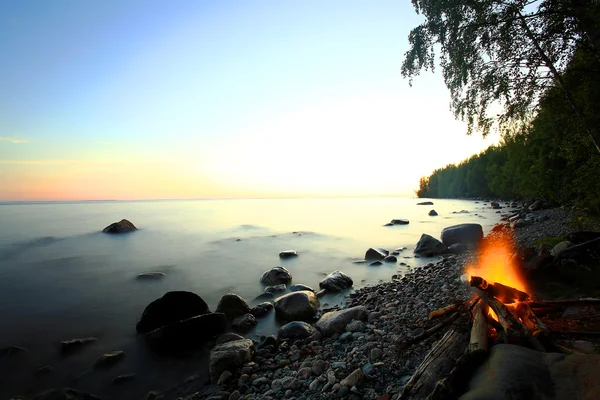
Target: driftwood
{"points": [[478, 344], [404, 344], [533, 324], [442, 311], [504, 293], [436, 366]]}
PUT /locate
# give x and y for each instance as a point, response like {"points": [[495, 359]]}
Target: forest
{"points": [[542, 65]]}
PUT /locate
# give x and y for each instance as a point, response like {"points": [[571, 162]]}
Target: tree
{"points": [[503, 52]]}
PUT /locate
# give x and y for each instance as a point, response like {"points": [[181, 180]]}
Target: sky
{"points": [[150, 99]]}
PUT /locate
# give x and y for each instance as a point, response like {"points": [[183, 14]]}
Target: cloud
{"points": [[14, 139]]}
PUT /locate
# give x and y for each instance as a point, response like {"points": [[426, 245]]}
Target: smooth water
{"points": [[61, 278]]}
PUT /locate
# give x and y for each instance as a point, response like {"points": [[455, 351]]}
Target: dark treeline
{"points": [[550, 157]]}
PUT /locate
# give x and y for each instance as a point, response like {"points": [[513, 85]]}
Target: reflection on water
{"points": [[61, 278]]}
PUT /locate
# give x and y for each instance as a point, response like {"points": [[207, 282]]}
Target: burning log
{"points": [[442, 311], [504, 293], [533, 324], [478, 345]]}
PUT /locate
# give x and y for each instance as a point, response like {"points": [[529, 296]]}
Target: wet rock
{"points": [[228, 337], [376, 254], [123, 226], [429, 246], [120, 379], [232, 306], [425, 203], [188, 333], [109, 359], [69, 346], [400, 222], [229, 356], [297, 306], [276, 289], [376, 264], [336, 282], [336, 321], [264, 296], [390, 258], [65, 394], [462, 234], [172, 307], [262, 309], [457, 248], [495, 205], [244, 323], [295, 330], [432, 213], [299, 287], [288, 254], [276, 276], [151, 275], [12, 351]]}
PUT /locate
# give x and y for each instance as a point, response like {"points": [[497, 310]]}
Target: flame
{"points": [[496, 265]]}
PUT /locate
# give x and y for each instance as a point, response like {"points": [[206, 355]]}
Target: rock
{"points": [[519, 223], [336, 282], [264, 296], [188, 333], [390, 258], [376, 354], [262, 309], [123, 226], [109, 359], [354, 379], [425, 203], [536, 205], [172, 307], [356, 326], [235, 395], [376, 254], [228, 337], [304, 373], [244, 323], [224, 378], [462, 233], [336, 321], [154, 395], [457, 248], [584, 345], [288, 254], [69, 346], [151, 275], [229, 356], [559, 248], [43, 370], [400, 222], [276, 276], [297, 306], [429, 246], [388, 224], [299, 287], [295, 330], [318, 367], [11, 351], [432, 213], [376, 264], [232, 306], [276, 289], [117, 380], [65, 394], [495, 205]]}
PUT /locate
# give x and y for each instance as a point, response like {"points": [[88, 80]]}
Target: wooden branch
{"points": [[550, 303], [436, 365], [478, 344], [442, 311], [504, 293], [578, 247], [533, 324], [404, 344]]}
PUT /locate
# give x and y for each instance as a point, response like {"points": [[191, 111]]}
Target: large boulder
{"points": [[295, 330], [276, 276], [429, 246], [172, 307], [232, 306], [462, 233], [336, 321], [336, 282], [376, 254], [297, 306], [65, 394], [188, 333], [123, 226], [229, 356]]}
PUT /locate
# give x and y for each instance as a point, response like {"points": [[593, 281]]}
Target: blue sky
{"points": [[159, 99]]}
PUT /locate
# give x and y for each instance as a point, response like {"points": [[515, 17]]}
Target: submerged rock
{"points": [[172, 307], [262, 309], [295, 330], [229, 356], [376, 254], [425, 203], [288, 254], [232, 306], [298, 287], [429, 246], [188, 333], [297, 306], [244, 323], [276, 288], [433, 213], [109, 359], [65, 394], [123, 226], [151, 275], [336, 282], [400, 222], [276, 276], [68, 346], [390, 258]]}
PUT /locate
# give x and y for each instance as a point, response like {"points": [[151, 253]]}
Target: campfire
{"points": [[500, 310]]}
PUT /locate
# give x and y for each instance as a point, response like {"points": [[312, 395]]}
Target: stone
{"points": [[376, 354], [188, 333], [304, 373], [297, 306], [262, 309], [224, 378], [109, 359], [288, 254], [432, 213], [151, 275], [390, 258], [336, 282], [463, 234], [584, 345], [559, 248], [228, 356], [318, 367], [375, 264], [356, 326], [429, 246], [374, 316], [244, 323], [388, 224], [65, 394], [336, 321], [266, 296], [536, 205], [43, 370], [123, 226], [233, 306], [425, 203], [400, 222], [295, 330], [235, 395], [299, 287], [355, 378], [276, 288], [172, 307], [376, 254], [457, 248], [276, 276], [120, 379], [495, 205], [12, 351], [69, 346], [228, 337]]}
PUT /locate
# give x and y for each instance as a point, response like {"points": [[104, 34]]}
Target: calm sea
{"points": [[61, 278]]}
